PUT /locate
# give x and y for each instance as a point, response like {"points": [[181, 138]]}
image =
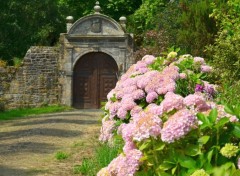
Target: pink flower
{"points": [[113, 108], [135, 110], [199, 60], [172, 101], [138, 94], [182, 75], [206, 68], [196, 100], [127, 104], [110, 94], [155, 109], [151, 96], [129, 145], [222, 113], [124, 165], [146, 125], [167, 85], [178, 125], [171, 72], [149, 59], [107, 130], [122, 113]]}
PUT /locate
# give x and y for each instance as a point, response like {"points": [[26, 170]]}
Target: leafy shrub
{"points": [[164, 109], [225, 51]]}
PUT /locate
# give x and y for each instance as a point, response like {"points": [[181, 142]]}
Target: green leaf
{"points": [[236, 131], [213, 115], [203, 140], [174, 170], [209, 156], [192, 150], [229, 109], [160, 146], [222, 122], [236, 173], [187, 162], [145, 145], [166, 166], [203, 118]]}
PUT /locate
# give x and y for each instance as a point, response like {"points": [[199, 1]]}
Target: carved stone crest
{"points": [[96, 26]]}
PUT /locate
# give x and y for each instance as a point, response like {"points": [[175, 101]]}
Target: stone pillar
{"points": [[69, 20], [123, 21]]}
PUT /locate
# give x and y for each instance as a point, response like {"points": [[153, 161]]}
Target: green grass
{"points": [[61, 155], [24, 112], [102, 157]]}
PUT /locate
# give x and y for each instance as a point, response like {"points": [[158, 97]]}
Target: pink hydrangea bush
{"points": [[165, 112]]}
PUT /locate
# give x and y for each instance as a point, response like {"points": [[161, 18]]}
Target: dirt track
{"points": [[28, 146]]}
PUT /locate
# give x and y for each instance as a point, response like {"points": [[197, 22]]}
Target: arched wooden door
{"points": [[95, 74]]}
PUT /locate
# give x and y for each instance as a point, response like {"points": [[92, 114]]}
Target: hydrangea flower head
{"points": [[200, 172], [146, 125], [229, 150], [178, 125]]}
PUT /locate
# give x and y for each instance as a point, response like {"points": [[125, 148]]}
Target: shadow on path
{"points": [[48, 121], [9, 171], [39, 132], [26, 147]]}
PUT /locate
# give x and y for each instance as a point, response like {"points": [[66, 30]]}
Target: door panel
{"points": [[94, 76]]}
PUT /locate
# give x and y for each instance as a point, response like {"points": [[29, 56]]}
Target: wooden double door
{"points": [[95, 74]]}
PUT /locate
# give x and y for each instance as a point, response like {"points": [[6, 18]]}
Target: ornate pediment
{"points": [[96, 24]]}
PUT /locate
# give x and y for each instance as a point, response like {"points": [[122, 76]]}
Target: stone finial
{"points": [[123, 21], [97, 8], [69, 20]]}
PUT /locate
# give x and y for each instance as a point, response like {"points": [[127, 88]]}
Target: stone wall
{"points": [[35, 83]]}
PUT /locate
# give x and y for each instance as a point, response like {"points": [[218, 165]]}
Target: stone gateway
{"points": [[92, 55]]}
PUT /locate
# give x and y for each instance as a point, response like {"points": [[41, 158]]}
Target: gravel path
{"points": [[28, 146]]}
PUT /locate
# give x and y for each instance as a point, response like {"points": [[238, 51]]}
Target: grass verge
{"points": [[61, 155], [24, 112], [103, 155]]}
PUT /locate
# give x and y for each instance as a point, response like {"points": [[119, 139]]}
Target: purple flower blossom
{"points": [[209, 89], [197, 101], [178, 126], [199, 88]]}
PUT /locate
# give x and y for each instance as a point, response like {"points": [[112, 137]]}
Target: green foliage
{"points": [[186, 24], [39, 22], [61, 155], [17, 113], [200, 149], [103, 155], [225, 51]]}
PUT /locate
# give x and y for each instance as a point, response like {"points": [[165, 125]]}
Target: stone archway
{"points": [[94, 75]]}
